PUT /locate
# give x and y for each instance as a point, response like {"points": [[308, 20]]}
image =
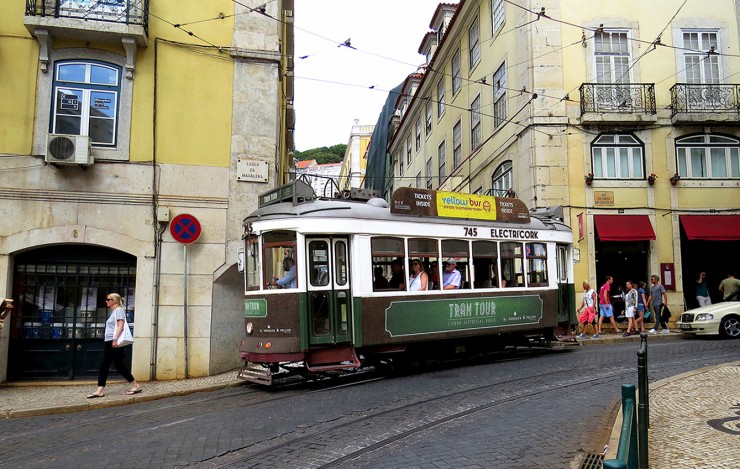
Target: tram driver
{"points": [[289, 279]]}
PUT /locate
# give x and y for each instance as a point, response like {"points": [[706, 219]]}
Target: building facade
{"points": [[624, 115], [354, 163], [117, 120]]}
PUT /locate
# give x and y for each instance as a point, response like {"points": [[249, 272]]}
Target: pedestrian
{"points": [[5, 308], [588, 305], [729, 286], [702, 291], [398, 280], [451, 278], [418, 279], [642, 312], [605, 306], [112, 353], [630, 307], [658, 300]]}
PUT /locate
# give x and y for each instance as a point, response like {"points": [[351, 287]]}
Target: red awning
{"points": [[624, 227], [711, 227]]}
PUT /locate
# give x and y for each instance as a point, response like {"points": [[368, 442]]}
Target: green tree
{"points": [[323, 155]]}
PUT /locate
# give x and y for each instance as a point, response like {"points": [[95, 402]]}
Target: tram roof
{"points": [[378, 210]]}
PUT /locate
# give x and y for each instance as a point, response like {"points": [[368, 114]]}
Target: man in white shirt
{"points": [[451, 280]]}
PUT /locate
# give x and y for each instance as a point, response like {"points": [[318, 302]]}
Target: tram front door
{"points": [[329, 296]]}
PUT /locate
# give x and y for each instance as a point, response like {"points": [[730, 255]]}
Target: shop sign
{"points": [[404, 318]]}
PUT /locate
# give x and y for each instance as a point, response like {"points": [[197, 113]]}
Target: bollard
{"points": [[643, 406]]}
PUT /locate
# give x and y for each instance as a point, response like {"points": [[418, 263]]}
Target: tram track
{"points": [[355, 429]]}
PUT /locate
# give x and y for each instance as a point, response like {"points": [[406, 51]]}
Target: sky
{"points": [[332, 85]]}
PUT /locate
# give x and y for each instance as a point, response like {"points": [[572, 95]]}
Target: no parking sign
{"points": [[185, 228]]}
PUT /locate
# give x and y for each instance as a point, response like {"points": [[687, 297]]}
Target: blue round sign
{"points": [[185, 228]]}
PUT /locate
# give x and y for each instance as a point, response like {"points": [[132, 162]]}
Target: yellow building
{"points": [[355, 156], [121, 124], [627, 116]]}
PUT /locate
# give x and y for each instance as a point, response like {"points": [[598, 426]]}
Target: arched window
{"points": [[503, 179], [86, 96], [617, 156], [708, 156]]}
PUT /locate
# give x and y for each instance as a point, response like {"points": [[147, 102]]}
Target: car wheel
{"points": [[730, 327]]}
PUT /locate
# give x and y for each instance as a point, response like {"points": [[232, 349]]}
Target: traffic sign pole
{"points": [[185, 307]]}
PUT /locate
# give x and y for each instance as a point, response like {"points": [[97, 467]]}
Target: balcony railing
{"points": [[704, 98], [131, 12], [623, 98]]}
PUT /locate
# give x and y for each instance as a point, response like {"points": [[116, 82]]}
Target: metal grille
{"points": [[593, 461], [687, 317]]}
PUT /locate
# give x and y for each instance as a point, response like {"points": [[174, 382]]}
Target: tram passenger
{"points": [[434, 276], [398, 280], [289, 279], [451, 280], [418, 280], [380, 282]]}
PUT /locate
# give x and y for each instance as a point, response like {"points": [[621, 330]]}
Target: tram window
{"points": [[512, 265], [427, 251], [277, 246], [388, 254], [457, 249], [318, 263], [340, 263], [536, 264], [485, 264], [251, 266]]}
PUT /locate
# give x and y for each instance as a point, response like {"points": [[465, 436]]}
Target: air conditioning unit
{"points": [[69, 149]]}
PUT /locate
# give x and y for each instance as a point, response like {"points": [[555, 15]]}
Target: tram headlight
{"points": [[250, 328], [268, 345]]}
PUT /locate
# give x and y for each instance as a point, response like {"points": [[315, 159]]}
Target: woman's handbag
{"points": [[125, 338]]}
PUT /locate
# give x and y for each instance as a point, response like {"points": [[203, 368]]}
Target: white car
{"points": [[720, 318]]}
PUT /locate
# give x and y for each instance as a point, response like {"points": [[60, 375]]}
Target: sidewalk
{"points": [[29, 399], [694, 419]]}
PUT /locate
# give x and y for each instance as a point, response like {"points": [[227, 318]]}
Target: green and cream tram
{"points": [[342, 309]]}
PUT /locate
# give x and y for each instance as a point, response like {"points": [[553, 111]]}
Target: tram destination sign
{"points": [[430, 203], [404, 318]]}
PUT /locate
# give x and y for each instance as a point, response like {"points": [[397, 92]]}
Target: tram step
{"points": [[255, 374], [339, 358]]}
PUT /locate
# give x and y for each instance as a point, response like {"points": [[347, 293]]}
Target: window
{"points": [[428, 118], [475, 126], [418, 180], [442, 159], [536, 264], [512, 265], [400, 164], [457, 144], [708, 156], [700, 65], [418, 134], [408, 149], [440, 98], [474, 43], [456, 78], [318, 263], [497, 14], [251, 264], [429, 173], [502, 179], [485, 264], [426, 251], [617, 157], [86, 100], [458, 249], [388, 260], [612, 56], [277, 246], [499, 96]]}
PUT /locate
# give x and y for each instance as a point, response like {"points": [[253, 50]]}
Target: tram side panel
{"points": [[414, 318], [272, 328]]}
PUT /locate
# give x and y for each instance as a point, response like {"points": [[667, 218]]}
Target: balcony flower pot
{"points": [[589, 179], [651, 179], [674, 179]]}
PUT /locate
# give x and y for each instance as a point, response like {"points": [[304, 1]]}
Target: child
{"points": [[588, 305]]}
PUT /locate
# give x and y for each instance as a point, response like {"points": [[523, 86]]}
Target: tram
{"points": [[327, 281]]}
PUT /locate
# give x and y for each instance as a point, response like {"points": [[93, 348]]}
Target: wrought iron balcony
{"points": [[713, 100], [130, 12], [619, 98]]}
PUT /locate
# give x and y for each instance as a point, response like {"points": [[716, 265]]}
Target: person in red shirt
{"points": [[605, 306]]}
